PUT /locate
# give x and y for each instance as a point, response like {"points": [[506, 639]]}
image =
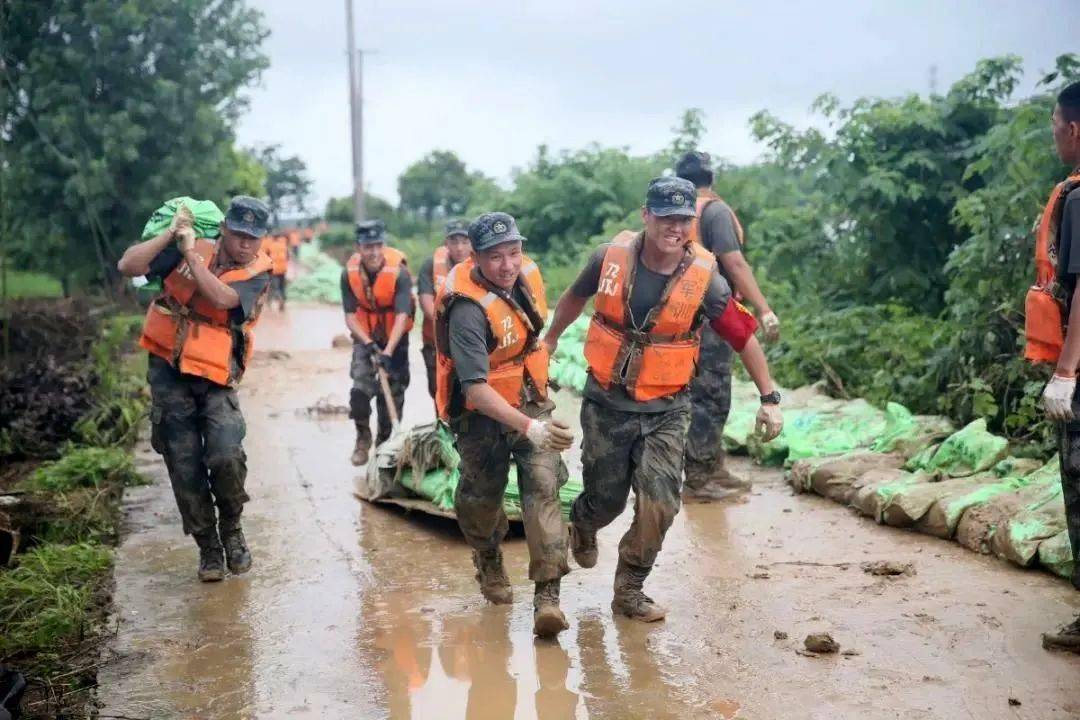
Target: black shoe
{"points": [[236, 551], [211, 560]]}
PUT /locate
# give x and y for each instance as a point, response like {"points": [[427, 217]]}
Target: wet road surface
{"points": [[360, 611]]}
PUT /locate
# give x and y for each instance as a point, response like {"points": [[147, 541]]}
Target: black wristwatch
{"points": [[772, 398]]}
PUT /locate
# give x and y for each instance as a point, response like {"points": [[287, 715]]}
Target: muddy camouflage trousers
{"points": [[710, 400], [623, 450], [1069, 446], [197, 427], [366, 387], [428, 351], [486, 448]]}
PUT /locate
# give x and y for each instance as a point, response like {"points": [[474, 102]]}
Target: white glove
{"points": [[1057, 398], [770, 327], [553, 435], [769, 422]]}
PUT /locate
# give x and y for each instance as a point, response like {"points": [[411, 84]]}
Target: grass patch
{"points": [[47, 599], [23, 284], [85, 467]]}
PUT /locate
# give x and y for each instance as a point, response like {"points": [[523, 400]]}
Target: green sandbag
{"points": [[827, 427], [1018, 540], [512, 499], [835, 479], [873, 490], [944, 516], [321, 282], [208, 217], [907, 434], [971, 450], [437, 486], [981, 522], [1055, 554], [912, 505]]}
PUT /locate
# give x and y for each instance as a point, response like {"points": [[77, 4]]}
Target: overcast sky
{"points": [[491, 81]]}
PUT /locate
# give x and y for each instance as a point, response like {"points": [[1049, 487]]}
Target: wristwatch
{"points": [[772, 398]]}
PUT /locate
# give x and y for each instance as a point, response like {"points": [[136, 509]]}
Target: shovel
{"points": [[388, 398]]}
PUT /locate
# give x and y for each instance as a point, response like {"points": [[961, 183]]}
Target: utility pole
{"points": [[356, 115]]}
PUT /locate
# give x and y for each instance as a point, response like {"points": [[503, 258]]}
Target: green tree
{"points": [[106, 110], [287, 184], [436, 185], [688, 133]]}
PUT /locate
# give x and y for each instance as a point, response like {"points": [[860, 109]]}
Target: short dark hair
{"points": [[1069, 102], [700, 178]]}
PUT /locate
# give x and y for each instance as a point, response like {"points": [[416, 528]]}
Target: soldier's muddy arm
{"points": [[397, 331], [757, 366], [137, 258], [490, 403], [354, 327], [210, 287], [566, 312], [742, 277], [427, 306]]}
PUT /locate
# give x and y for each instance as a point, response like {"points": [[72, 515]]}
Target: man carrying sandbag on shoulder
{"points": [[199, 335]]}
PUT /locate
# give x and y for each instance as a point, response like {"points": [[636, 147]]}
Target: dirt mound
{"points": [[47, 377]]}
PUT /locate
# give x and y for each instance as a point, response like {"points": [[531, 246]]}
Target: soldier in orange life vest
{"points": [[1053, 325], [653, 291], [199, 335], [376, 295], [492, 390], [277, 247], [433, 272], [717, 230]]}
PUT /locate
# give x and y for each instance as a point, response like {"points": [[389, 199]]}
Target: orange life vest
{"points": [[660, 358], [1044, 312], [376, 300], [279, 254], [440, 268], [193, 335], [517, 358], [705, 197]]}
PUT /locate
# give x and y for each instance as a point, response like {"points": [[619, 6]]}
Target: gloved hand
{"points": [[551, 435], [185, 239], [382, 360], [769, 422], [182, 219], [770, 327], [1057, 398], [372, 349]]}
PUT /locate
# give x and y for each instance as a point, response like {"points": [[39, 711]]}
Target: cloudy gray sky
{"points": [[492, 80]]}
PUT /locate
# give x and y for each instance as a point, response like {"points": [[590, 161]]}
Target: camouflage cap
{"points": [[694, 162], [457, 227], [248, 215], [671, 196], [370, 231], [493, 228]]}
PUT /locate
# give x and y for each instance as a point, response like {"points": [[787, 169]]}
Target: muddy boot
{"points": [[548, 619], [362, 447], [629, 598], [705, 483], [1067, 638], [491, 575], [237, 555], [211, 558], [583, 546]]}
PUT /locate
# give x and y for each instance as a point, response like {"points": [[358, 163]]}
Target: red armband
{"points": [[736, 325]]}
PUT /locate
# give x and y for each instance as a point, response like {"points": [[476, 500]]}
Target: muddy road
{"points": [[359, 611]]}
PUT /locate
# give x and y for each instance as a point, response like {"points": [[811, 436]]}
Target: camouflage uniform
{"points": [[625, 450], [197, 427], [1069, 448], [486, 448], [710, 397], [366, 386]]}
